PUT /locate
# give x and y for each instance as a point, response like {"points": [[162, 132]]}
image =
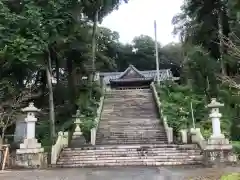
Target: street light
{"points": [[156, 49]]}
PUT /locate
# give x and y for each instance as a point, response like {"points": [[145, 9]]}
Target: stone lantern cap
{"points": [[78, 114], [215, 104], [31, 108]]}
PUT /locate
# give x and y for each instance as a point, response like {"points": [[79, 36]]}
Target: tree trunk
{"points": [[51, 102], [225, 31], [2, 136], [91, 78], [72, 93]]}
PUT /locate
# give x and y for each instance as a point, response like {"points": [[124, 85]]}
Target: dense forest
{"points": [[63, 40], [209, 32]]}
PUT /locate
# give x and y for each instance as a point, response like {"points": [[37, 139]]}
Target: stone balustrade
{"points": [[169, 130], [97, 119], [62, 142], [197, 137]]}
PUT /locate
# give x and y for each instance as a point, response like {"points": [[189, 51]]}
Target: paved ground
{"points": [[127, 173]]}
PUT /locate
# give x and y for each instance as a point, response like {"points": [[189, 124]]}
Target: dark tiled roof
{"points": [[164, 75], [131, 79]]}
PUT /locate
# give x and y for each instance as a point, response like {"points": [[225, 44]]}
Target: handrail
{"points": [[97, 118], [62, 142], [169, 130], [197, 137]]}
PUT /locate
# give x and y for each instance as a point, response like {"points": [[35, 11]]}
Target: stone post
{"points": [[77, 139], [184, 137], [31, 153]]}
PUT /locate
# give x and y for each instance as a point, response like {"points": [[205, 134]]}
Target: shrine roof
{"points": [[128, 74]]}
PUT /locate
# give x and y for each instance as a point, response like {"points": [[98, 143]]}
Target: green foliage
{"points": [[233, 176], [87, 124], [236, 147], [176, 106]]}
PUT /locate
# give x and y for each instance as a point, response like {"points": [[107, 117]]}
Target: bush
{"points": [[236, 147]]}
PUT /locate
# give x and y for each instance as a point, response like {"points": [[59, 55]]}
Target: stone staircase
{"points": [[130, 134], [130, 155], [129, 117]]}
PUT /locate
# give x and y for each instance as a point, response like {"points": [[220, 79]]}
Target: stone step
{"points": [[130, 152], [127, 120], [128, 163], [126, 155], [130, 134], [134, 158], [133, 128], [126, 142], [116, 93], [105, 122], [130, 137], [123, 156], [127, 117], [135, 137], [137, 146], [130, 140], [122, 129], [137, 94]]}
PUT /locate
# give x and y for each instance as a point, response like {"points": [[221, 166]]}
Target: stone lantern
{"points": [[215, 116], [30, 142], [77, 139], [77, 123], [31, 153], [218, 149]]}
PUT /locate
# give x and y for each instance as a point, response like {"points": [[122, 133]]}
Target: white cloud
{"points": [[137, 17]]}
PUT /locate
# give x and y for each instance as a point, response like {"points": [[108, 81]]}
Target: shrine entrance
{"points": [[131, 78]]}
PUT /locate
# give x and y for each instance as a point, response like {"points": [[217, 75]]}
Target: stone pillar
{"points": [[77, 139], [184, 137], [31, 153], [102, 80], [215, 115], [97, 76]]}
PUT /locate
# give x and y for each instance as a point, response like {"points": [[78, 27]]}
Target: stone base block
{"points": [[30, 144], [218, 141], [31, 151], [31, 160], [77, 141], [218, 151]]}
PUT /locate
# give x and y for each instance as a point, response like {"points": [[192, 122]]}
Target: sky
{"points": [[137, 18]]}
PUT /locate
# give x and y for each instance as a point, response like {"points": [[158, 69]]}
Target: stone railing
{"points": [[169, 130], [62, 142], [97, 119], [197, 137]]}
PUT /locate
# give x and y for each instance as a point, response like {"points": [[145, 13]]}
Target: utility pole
{"points": [[156, 52]]}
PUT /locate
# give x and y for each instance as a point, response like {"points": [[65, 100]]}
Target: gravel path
{"points": [[118, 173]]}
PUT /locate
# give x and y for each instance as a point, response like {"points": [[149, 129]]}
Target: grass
{"points": [[233, 176]]}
